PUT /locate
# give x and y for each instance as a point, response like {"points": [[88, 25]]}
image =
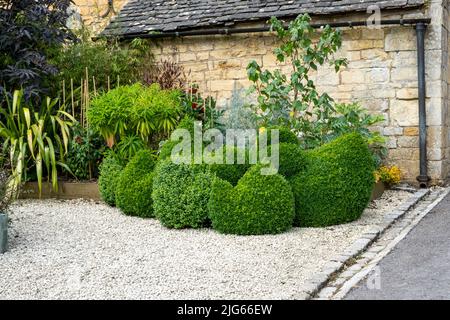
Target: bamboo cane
{"points": [[64, 91], [81, 101], [95, 89], [73, 100], [86, 104]]}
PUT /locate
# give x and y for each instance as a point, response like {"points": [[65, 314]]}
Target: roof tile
{"points": [[140, 16]]}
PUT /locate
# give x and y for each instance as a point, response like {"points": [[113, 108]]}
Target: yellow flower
{"points": [[389, 175], [262, 130], [292, 114]]}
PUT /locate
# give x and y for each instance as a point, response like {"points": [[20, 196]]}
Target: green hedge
{"points": [[337, 183], [110, 170], [259, 204], [181, 194], [134, 188]]}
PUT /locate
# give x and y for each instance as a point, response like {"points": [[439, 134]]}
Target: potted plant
{"points": [[8, 192]]}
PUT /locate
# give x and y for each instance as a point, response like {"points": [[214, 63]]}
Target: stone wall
{"points": [[92, 10], [381, 75]]}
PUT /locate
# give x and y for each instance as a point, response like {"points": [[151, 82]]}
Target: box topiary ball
{"points": [[336, 185], [292, 159], [259, 204], [134, 187], [110, 170], [181, 194], [231, 172], [285, 135]]}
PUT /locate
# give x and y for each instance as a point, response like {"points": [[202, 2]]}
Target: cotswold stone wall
{"points": [[381, 75], [92, 10]]}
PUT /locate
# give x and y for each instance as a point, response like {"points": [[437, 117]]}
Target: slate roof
{"points": [[143, 16]]}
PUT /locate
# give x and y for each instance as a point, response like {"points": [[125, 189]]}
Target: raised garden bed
{"points": [[66, 190], [378, 190], [89, 190]]}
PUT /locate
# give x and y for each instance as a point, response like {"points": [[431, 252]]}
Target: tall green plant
{"points": [[110, 62], [292, 99], [135, 110], [35, 138]]}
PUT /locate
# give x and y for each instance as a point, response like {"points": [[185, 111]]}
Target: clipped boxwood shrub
{"points": [[285, 135], [181, 194], [166, 150], [292, 159], [110, 170], [134, 188], [337, 183], [259, 204], [230, 172]]}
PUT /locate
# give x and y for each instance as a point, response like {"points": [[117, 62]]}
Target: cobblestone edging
{"points": [[345, 259]]}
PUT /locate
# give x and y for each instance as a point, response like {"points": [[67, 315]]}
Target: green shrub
{"points": [[259, 204], [128, 146], [134, 109], [337, 183], [285, 135], [291, 159], [134, 188], [110, 170], [230, 172], [181, 194], [108, 61], [85, 153], [37, 139], [166, 150], [110, 113]]}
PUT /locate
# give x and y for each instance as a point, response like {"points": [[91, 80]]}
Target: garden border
{"points": [[66, 191], [90, 191], [339, 262]]}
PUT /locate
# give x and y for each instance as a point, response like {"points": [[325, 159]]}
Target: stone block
{"points": [[202, 55], [372, 54], [221, 85], [400, 39], [411, 131], [403, 154], [372, 34], [404, 113], [393, 131], [404, 74], [403, 58], [408, 141], [352, 76], [377, 75], [407, 94]]}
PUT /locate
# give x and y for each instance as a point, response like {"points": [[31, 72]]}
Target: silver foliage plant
{"points": [[240, 112]]}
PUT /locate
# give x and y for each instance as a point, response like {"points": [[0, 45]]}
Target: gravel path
{"points": [[86, 250]]}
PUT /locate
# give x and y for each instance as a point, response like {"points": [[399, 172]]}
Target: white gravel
{"points": [[86, 250]]}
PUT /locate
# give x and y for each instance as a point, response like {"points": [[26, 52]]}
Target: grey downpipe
{"points": [[423, 177]]}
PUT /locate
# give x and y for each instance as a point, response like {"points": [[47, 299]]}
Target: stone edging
{"points": [[340, 261]]}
